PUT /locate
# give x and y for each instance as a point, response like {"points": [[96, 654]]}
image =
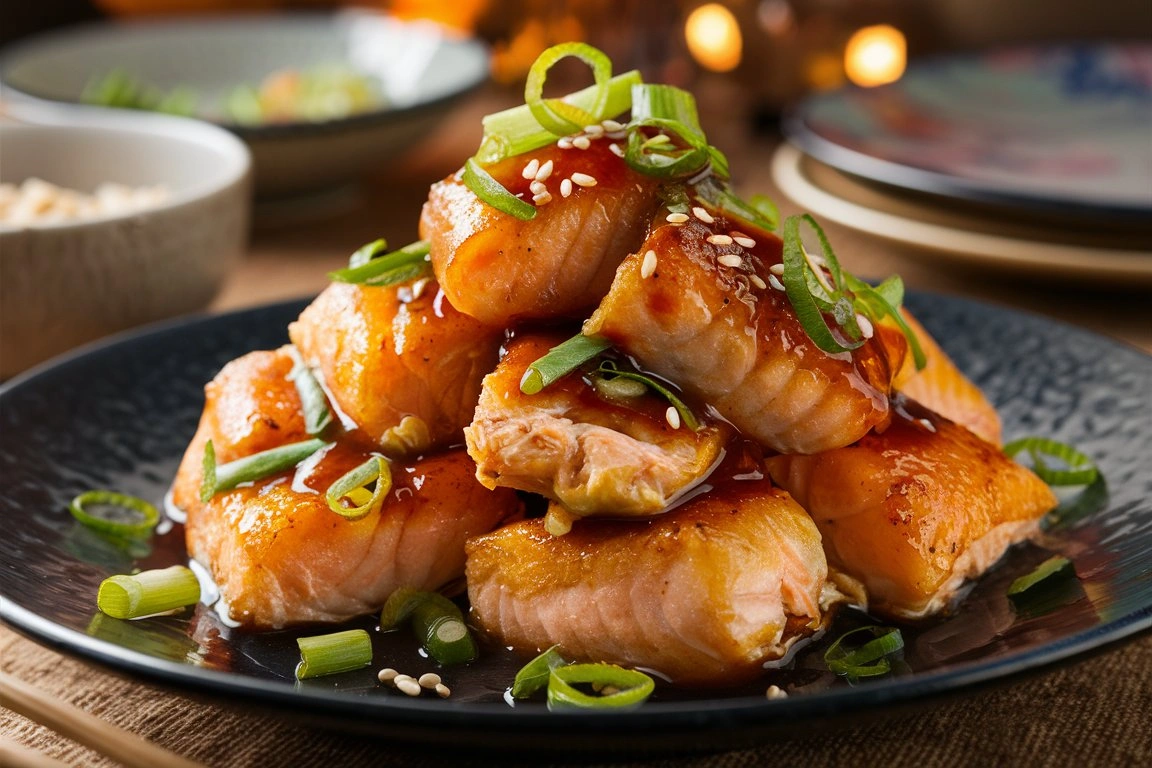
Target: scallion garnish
{"points": [[867, 660], [148, 592], [561, 360], [609, 370], [317, 414], [362, 490], [396, 267], [767, 209], [534, 675], [251, 468], [437, 622], [620, 688], [494, 193], [330, 654], [1048, 568], [557, 115], [1080, 469], [366, 253], [115, 513]]}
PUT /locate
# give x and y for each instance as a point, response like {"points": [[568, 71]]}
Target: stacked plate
{"points": [[1036, 159]]}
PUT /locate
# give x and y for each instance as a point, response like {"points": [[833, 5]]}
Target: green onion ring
{"points": [[609, 368], [148, 514], [375, 470], [251, 468], [682, 162], [535, 674], [494, 193], [799, 292], [561, 360], [870, 659], [557, 115], [1045, 570], [634, 687], [383, 270], [1081, 469]]}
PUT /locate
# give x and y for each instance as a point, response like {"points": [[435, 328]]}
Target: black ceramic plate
{"points": [[118, 415]]}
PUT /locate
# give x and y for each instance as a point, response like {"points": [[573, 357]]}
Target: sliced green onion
{"points": [[672, 111], [366, 253], [436, 621], [494, 194], [559, 116], [868, 660], [317, 414], [561, 360], [252, 468], [1092, 499], [365, 486], [396, 267], [535, 674], [115, 513], [609, 369], [515, 131], [1081, 470], [1045, 570], [632, 687], [722, 198], [666, 102], [800, 292], [148, 592], [331, 654], [878, 304], [766, 207]]}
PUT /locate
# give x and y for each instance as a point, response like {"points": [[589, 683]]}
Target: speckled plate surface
{"points": [[118, 415]]}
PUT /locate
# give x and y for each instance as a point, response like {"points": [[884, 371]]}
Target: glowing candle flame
{"points": [[875, 55], [713, 37]]}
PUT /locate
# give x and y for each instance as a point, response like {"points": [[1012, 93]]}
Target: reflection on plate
{"points": [[119, 414], [965, 236], [1062, 127]]}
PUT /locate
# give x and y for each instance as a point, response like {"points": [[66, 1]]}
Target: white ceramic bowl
{"points": [[422, 69], [63, 284]]}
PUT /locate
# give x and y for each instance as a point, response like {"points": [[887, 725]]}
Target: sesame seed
{"points": [[611, 125], [443, 691], [429, 680], [746, 242], [672, 416], [758, 282], [529, 171], [544, 172], [616, 134], [537, 187], [772, 281], [543, 198], [660, 138], [776, 692], [776, 269], [581, 142], [730, 260], [865, 326], [703, 215], [608, 690], [565, 187], [616, 150], [720, 240], [594, 130], [583, 179], [564, 143], [387, 675], [648, 266], [408, 685], [676, 218]]}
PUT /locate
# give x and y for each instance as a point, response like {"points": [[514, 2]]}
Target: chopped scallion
{"points": [[629, 687], [437, 622], [365, 487], [535, 674], [115, 513], [148, 592], [366, 253], [331, 654], [494, 193], [396, 267], [251, 468], [799, 290], [1048, 568], [867, 660], [1080, 469], [317, 414], [557, 115], [609, 370], [561, 360]]}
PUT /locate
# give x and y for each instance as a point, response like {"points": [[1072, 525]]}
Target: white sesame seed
{"points": [[611, 125], [776, 692], [703, 215], [720, 240], [408, 685], [730, 260], [776, 269], [583, 179], [676, 218], [616, 150], [616, 134], [564, 142], [537, 187], [581, 142], [387, 675], [443, 691], [594, 130], [529, 171], [758, 282], [544, 172], [673, 417], [543, 198], [429, 680], [865, 326], [648, 266], [772, 281], [746, 242], [565, 187]]}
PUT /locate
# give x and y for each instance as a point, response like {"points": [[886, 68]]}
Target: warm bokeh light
{"points": [[713, 37], [875, 55]]}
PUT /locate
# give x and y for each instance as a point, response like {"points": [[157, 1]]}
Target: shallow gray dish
{"points": [[119, 415]]}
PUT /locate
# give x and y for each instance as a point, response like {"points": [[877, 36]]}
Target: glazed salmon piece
{"points": [[713, 330], [942, 388], [387, 353], [915, 511], [281, 557], [594, 455], [499, 269], [704, 595]]}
